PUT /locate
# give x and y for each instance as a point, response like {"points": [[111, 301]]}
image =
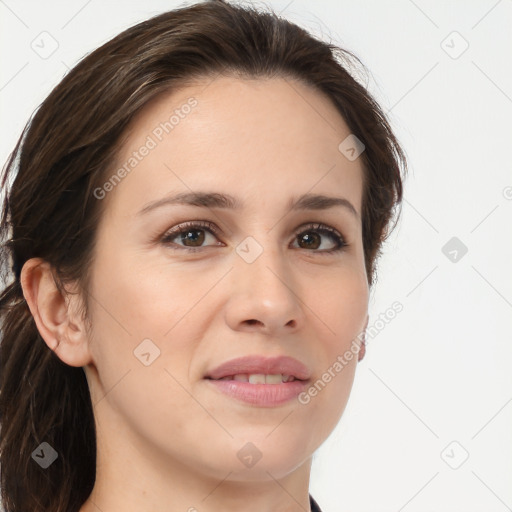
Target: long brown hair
{"points": [[50, 211]]}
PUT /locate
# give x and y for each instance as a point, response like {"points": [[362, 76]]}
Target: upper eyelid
{"points": [[210, 226]]}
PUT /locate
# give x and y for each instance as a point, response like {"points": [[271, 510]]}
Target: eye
{"points": [[191, 234], [312, 234]]}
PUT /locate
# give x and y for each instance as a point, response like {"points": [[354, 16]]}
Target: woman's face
{"points": [[259, 279]]}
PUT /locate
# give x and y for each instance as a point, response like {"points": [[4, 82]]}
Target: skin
{"points": [[166, 440]]}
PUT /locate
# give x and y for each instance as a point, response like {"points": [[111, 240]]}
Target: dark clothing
{"points": [[314, 505]]}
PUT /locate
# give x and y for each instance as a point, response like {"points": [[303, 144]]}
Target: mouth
{"points": [[259, 378], [254, 368], [260, 381]]}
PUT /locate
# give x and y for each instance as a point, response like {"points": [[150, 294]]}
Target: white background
{"points": [[441, 370]]}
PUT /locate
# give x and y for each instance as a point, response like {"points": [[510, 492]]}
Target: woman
{"points": [[193, 225]]}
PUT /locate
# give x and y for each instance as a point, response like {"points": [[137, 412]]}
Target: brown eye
{"points": [[313, 238], [191, 235]]}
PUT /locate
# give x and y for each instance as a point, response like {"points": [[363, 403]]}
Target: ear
{"points": [[54, 313], [362, 348]]}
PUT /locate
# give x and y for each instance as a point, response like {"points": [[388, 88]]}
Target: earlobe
{"points": [[362, 348], [53, 313]]}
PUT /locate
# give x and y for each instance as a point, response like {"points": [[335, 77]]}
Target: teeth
{"points": [[260, 378], [257, 378], [274, 379]]}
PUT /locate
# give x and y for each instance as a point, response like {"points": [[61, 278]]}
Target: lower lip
{"points": [[266, 395]]}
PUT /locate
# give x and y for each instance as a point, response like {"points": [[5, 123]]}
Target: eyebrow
{"points": [[226, 201]]}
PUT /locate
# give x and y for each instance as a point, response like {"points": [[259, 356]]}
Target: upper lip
{"points": [[261, 365]]}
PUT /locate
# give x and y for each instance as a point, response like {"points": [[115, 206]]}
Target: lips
{"points": [[257, 368]]}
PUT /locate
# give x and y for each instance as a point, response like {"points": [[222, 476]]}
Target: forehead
{"points": [[280, 108], [235, 135]]}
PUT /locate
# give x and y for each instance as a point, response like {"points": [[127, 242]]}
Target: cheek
{"points": [[156, 303], [339, 304], [142, 296], [339, 310], [326, 399], [150, 402]]}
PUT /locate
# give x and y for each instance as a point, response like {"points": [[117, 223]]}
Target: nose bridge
{"points": [[260, 264], [263, 287]]}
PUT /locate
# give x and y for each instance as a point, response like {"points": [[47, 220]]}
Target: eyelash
{"points": [[208, 226]]}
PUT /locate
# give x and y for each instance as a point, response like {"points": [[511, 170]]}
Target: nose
{"points": [[264, 295]]}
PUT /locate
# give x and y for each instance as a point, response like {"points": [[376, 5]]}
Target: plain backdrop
{"points": [[428, 423]]}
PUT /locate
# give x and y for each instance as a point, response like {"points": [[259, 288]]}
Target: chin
{"points": [[262, 453]]}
